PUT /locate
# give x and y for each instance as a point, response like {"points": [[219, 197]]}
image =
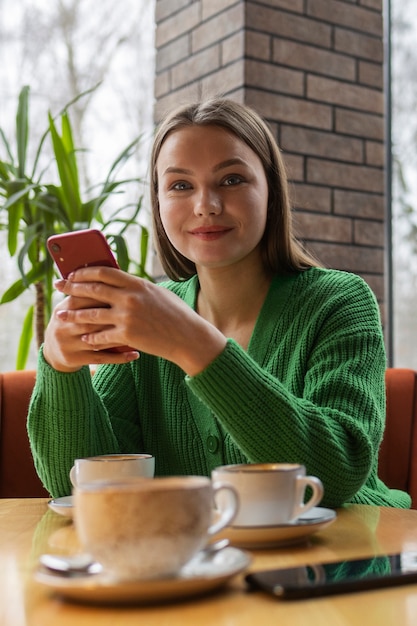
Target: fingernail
{"points": [[132, 356]]}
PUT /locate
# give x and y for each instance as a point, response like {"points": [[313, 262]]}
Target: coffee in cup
{"points": [[270, 494], [109, 466], [144, 529]]}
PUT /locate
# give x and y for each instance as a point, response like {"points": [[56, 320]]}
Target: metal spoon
{"points": [[81, 564]]}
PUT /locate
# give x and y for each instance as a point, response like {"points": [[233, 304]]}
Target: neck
{"points": [[231, 298]]}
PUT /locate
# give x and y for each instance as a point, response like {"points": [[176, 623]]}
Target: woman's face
{"points": [[213, 196]]}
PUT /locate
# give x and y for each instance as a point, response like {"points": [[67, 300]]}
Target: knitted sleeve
{"points": [[68, 419], [319, 396]]}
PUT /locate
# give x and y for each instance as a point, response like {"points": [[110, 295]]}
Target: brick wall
{"points": [[314, 70]]}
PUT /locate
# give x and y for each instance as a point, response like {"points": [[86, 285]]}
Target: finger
{"points": [[100, 274], [99, 340], [74, 302], [103, 351], [100, 357], [98, 294], [107, 351], [98, 316]]}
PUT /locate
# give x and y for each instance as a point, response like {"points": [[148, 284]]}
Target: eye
{"points": [[180, 185], [232, 179]]}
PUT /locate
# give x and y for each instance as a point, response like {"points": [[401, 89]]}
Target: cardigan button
{"points": [[212, 444]]}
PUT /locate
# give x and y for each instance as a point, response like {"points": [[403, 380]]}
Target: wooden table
{"points": [[28, 528]]}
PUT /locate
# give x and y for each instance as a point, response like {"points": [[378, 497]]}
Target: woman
{"points": [[251, 352]]}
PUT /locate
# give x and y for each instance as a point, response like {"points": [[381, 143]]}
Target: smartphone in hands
{"points": [[82, 248], [309, 581]]}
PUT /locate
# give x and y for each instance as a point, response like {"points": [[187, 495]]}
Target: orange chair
{"points": [[18, 478], [398, 453]]}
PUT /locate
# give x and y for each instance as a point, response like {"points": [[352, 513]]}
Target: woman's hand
{"points": [[63, 348], [107, 307]]}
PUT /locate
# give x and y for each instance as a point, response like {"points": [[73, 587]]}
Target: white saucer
{"points": [[63, 506], [201, 575], [283, 535]]}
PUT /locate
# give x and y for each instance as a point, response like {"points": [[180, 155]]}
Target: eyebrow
{"points": [[219, 166]]}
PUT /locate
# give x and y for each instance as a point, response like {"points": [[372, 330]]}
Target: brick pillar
{"points": [[314, 70]]}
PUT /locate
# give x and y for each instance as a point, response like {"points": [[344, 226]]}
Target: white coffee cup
{"points": [[144, 529], [108, 466], [270, 494]]}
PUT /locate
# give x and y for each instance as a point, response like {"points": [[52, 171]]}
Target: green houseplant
{"points": [[32, 208]]}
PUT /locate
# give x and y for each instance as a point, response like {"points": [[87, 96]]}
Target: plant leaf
{"points": [[18, 287], [144, 244], [67, 174], [14, 207], [7, 146], [22, 129], [14, 291], [25, 340], [122, 253]]}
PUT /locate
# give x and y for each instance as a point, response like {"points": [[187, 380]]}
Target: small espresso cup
{"points": [[270, 494], [146, 529], [108, 466]]}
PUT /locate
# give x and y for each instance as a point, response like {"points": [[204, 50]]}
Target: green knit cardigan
{"points": [[309, 389]]}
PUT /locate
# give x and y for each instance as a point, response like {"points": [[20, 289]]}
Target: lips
{"points": [[202, 231], [209, 233], [208, 229]]}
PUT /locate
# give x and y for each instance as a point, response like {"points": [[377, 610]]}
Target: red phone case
{"points": [[82, 248]]}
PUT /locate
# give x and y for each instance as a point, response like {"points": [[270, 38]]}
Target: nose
{"points": [[208, 203]]}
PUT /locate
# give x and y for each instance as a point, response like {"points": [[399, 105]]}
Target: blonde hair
{"points": [[281, 252]]}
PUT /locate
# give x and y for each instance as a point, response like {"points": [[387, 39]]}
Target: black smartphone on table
{"points": [[82, 248], [309, 581]]}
